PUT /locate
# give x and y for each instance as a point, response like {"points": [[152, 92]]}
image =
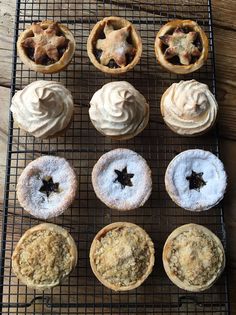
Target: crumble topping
{"points": [[45, 257], [195, 258], [122, 256]]}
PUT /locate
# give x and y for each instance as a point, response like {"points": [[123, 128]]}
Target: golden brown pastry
{"points": [[44, 256], [46, 46], [181, 46], [193, 257], [114, 46], [122, 256]]}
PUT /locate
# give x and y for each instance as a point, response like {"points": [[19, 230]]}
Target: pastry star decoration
{"points": [[115, 46], [45, 42], [181, 45]]}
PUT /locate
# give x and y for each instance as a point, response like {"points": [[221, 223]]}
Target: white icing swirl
{"points": [[118, 109], [43, 108], [189, 107]]}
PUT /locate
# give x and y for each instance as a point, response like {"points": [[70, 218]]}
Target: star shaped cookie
{"points": [[181, 44], [115, 45], [45, 42]]}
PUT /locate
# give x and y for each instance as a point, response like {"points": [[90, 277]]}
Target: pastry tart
{"points": [[46, 46], [47, 187], [43, 108], [196, 180], [122, 256], [189, 108], [119, 111], [122, 179], [44, 256], [181, 46], [114, 46], [193, 257]]}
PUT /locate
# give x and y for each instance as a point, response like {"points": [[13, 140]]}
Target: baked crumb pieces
{"points": [[45, 257], [195, 258], [122, 256]]}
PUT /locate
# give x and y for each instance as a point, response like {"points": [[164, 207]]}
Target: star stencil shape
{"points": [[196, 181], [49, 186], [181, 45], [124, 178], [115, 45], [45, 42]]}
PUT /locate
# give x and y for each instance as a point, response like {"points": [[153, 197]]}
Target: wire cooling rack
{"points": [[81, 293]]}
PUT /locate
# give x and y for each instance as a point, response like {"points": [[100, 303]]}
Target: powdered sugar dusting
{"points": [[110, 191], [30, 182], [214, 176]]}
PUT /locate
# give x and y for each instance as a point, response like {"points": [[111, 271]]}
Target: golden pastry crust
{"points": [[47, 187], [124, 258], [193, 257], [121, 178], [115, 29], [41, 37], [194, 31], [44, 256]]}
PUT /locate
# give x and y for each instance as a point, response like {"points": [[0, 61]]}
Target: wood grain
{"points": [[224, 22]]}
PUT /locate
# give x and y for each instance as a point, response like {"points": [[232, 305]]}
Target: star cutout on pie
{"points": [[45, 42], [181, 44], [124, 178], [115, 46]]}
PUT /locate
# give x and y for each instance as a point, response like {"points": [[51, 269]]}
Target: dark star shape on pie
{"points": [[115, 46], [181, 44], [124, 178], [49, 186], [196, 181], [45, 42]]}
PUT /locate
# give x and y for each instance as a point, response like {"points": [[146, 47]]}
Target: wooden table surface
{"points": [[224, 22]]}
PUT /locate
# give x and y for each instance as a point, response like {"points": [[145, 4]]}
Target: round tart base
{"points": [[96, 33], [42, 264], [119, 111], [196, 180], [193, 256], [122, 180], [175, 68], [175, 118], [56, 66], [119, 255], [47, 187]]}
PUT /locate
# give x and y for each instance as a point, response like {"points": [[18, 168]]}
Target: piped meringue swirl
{"points": [[43, 108], [189, 107], [118, 110]]}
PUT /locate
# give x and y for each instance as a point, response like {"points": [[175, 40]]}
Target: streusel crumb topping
{"points": [[122, 256], [195, 257], [45, 257]]}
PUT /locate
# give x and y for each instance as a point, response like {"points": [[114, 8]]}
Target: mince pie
{"points": [[44, 256], [114, 46], [122, 256], [181, 46], [193, 257], [46, 47]]}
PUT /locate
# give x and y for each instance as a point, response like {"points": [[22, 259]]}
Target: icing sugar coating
{"points": [[43, 108], [118, 110], [34, 199], [213, 174], [111, 191], [189, 107]]}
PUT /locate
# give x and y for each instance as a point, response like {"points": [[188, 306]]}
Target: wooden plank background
{"points": [[224, 21]]}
